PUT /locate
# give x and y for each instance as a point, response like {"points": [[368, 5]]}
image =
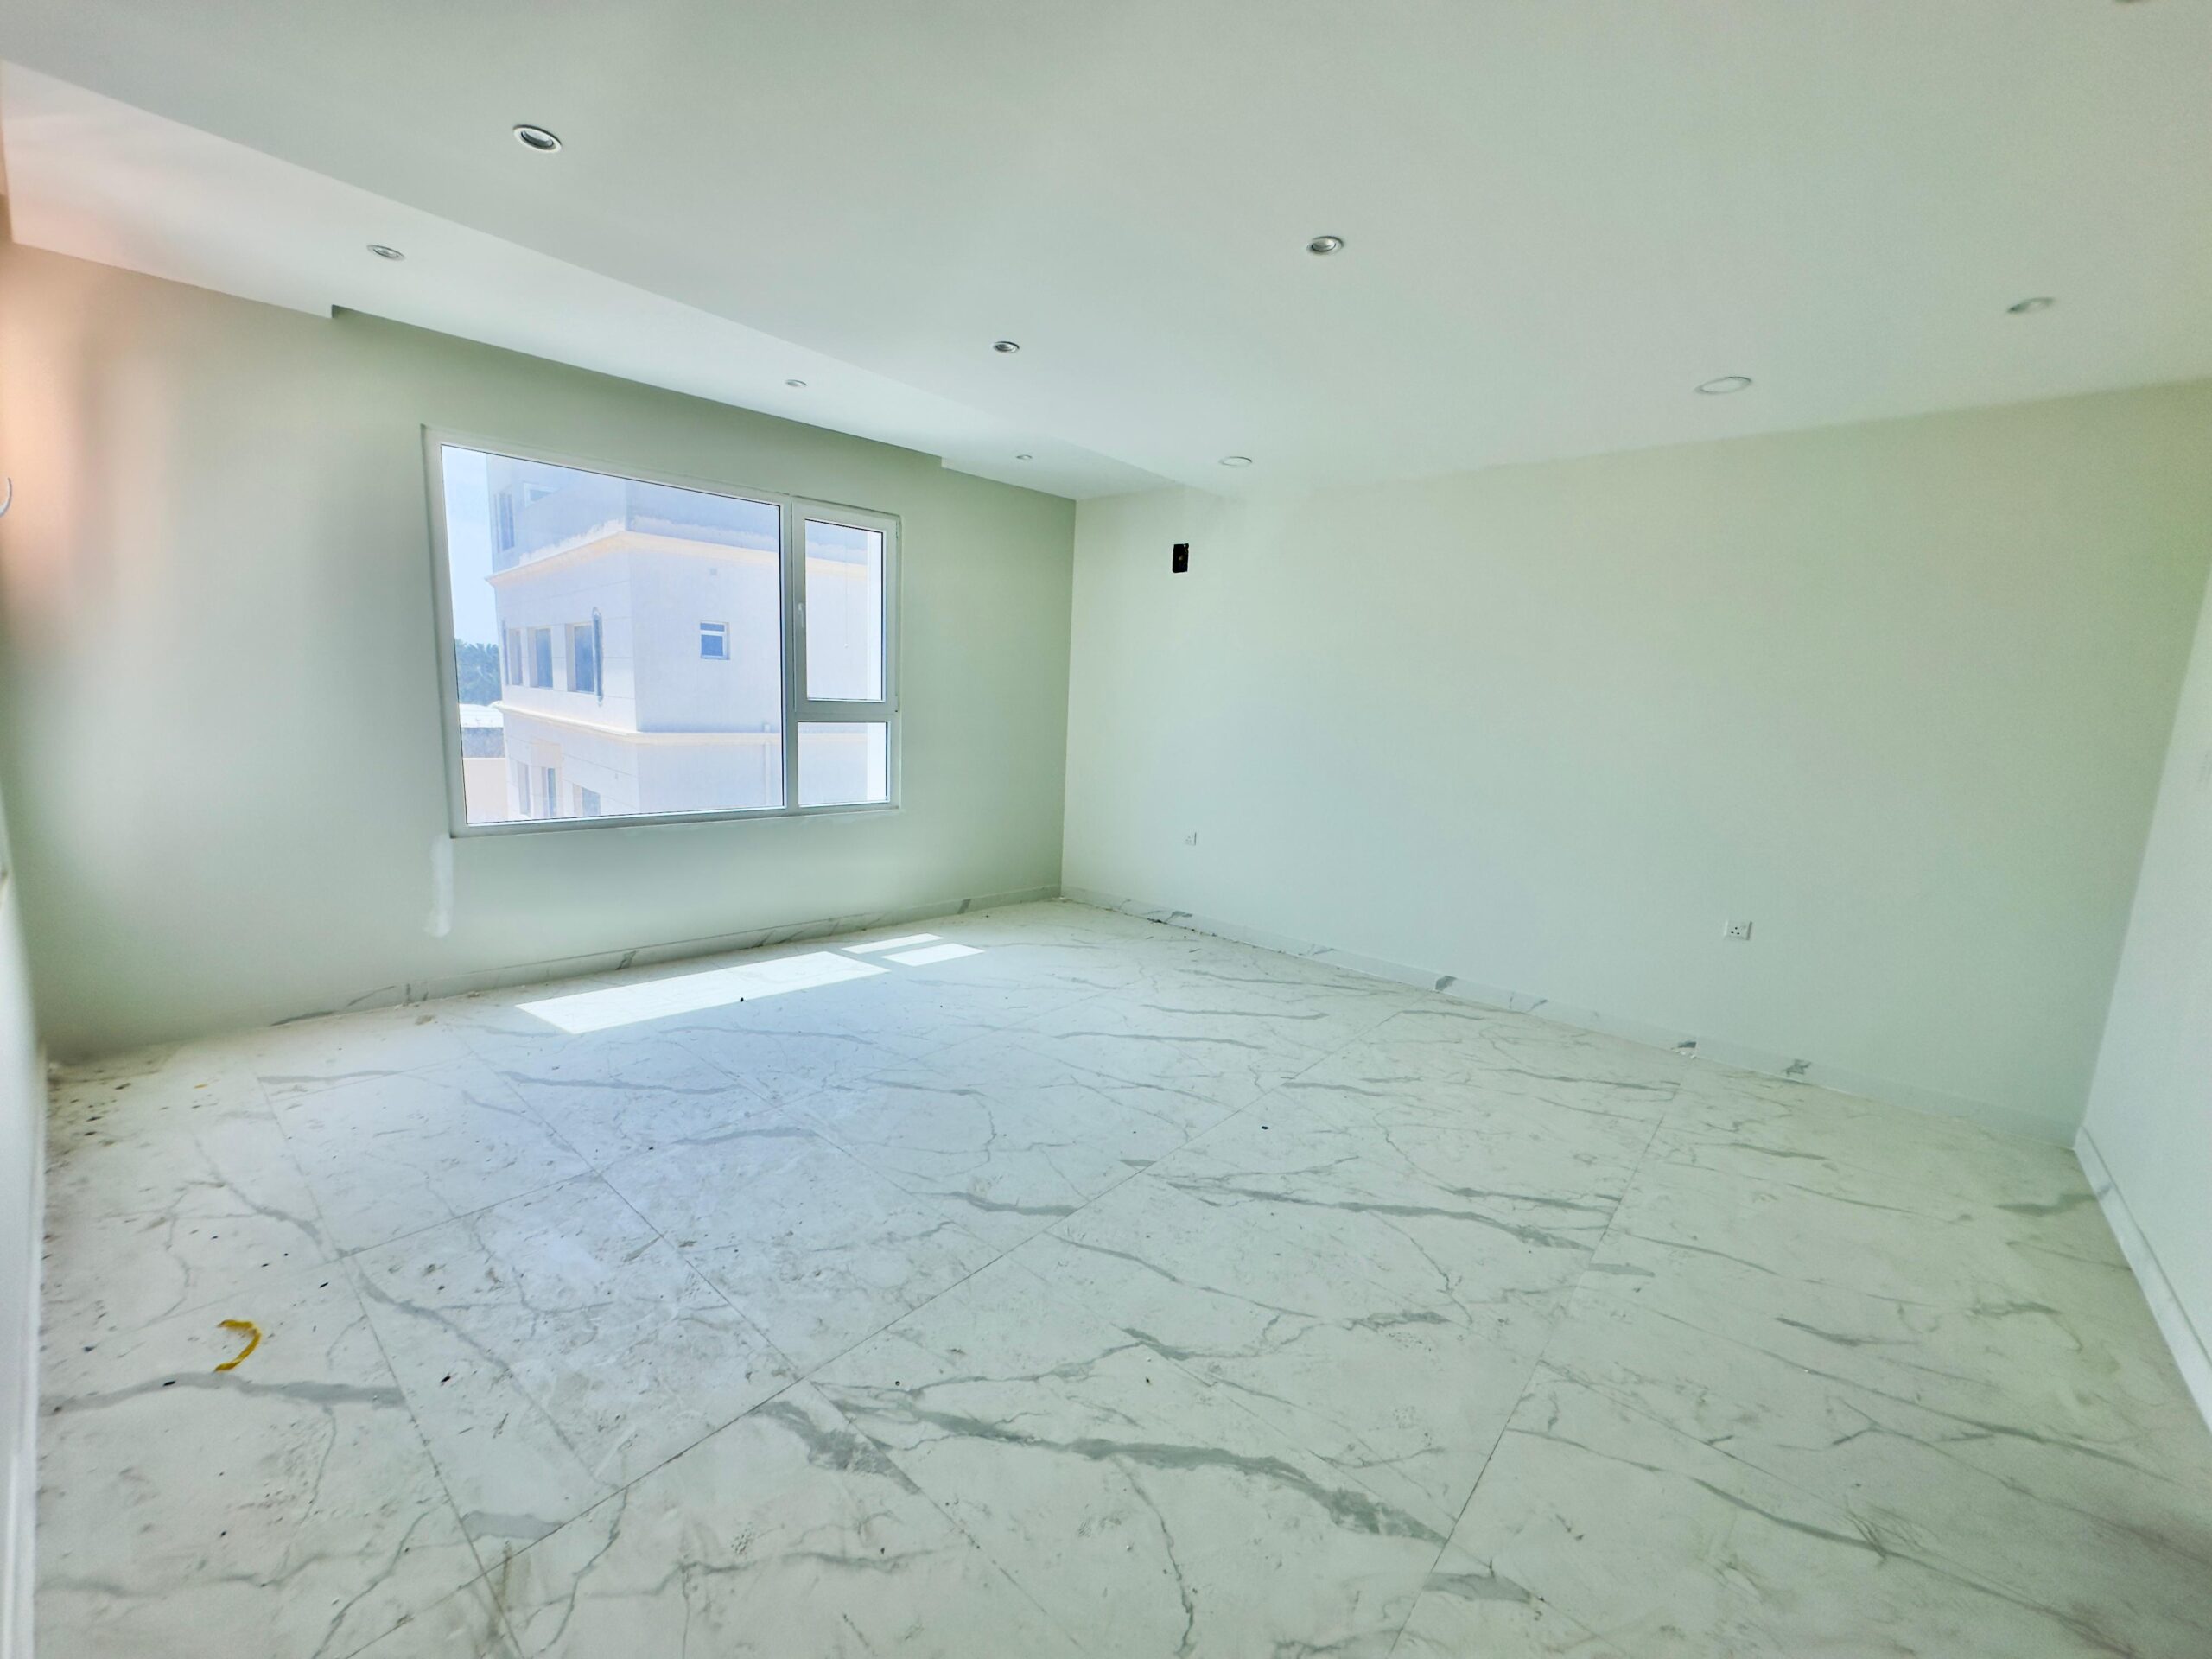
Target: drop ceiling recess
{"points": [[1351, 245]]}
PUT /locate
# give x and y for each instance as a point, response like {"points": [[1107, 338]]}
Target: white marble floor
{"points": [[1099, 1288]]}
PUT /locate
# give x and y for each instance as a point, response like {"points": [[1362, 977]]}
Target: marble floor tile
{"points": [[786, 1533], [388, 1154], [1010, 1140], [1502, 1058], [613, 1095], [154, 1213], [554, 1348], [1775, 1129], [139, 1094], [287, 1506], [2021, 1509], [811, 1245], [1593, 1517], [1069, 1282], [468, 1625], [786, 1047], [296, 1060], [1500, 1260], [1146, 1510], [1385, 1321], [1962, 1259], [1466, 1611]]}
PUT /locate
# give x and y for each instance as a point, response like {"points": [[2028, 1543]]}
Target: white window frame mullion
{"points": [[799, 706]]}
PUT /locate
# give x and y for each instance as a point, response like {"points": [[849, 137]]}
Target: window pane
{"points": [[843, 765], [844, 614], [583, 659], [591, 587]]}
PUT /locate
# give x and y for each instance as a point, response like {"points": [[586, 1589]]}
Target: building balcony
{"points": [[584, 507]]}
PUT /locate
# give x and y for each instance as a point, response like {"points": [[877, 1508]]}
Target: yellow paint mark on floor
{"points": [[252, 1334]]}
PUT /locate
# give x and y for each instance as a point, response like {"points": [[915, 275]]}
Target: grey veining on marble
{"points": [[171, 1209], [287, 1506], [390, 1155], [787, 1533], [554, 1348], [1102, 1288], [812, 1246], [1148, 1510]]}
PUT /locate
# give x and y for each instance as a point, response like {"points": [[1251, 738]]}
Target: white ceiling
{"points": [[1561, 215]]}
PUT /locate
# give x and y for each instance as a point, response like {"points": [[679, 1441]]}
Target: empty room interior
{"points": [[1199, 830]]}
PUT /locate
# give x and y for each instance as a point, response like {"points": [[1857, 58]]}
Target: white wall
{"points": [[219, 723], [22, 1124], [1898, 693], [2147, 1140]]}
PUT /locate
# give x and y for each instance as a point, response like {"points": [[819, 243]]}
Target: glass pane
{"points": [[627, 714], [844, 614], [843, 765]]}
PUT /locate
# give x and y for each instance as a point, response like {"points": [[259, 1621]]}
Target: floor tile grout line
{"points": [[1536, 1364], [346, 1263], [797, 1378], [430, 1456], [800, 1376]]}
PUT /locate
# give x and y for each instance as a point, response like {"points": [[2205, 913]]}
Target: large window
{"points": [[668, 650]]}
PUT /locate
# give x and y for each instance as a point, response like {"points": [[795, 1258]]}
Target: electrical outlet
{"points": [[1738, 930]]}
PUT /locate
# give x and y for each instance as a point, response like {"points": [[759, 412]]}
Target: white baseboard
{"points": [[18, 1524], [2007, 1119], [611, 962], [2190, 1349]]}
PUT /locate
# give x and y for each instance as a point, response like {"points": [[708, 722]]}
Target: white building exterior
{"points": [[640, 647]]}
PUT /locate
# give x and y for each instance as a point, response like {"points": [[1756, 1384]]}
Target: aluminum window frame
{"points": [[836, 711], [792, 513]]}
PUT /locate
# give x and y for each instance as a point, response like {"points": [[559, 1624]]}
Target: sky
{"points": [[469, 547]]}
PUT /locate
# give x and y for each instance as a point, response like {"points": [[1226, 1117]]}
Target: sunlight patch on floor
{"points": [[627, 1005]]}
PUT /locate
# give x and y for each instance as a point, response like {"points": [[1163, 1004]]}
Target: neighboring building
{"points": [[483, 753], [640, 636]]}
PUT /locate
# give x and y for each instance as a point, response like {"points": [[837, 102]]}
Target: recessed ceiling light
{"points": [[799, 384], [1006, 347], [1236, 460], [1726, 384], [537, 138], [383, 252], [2039, 302], [1025, 457], [1325, 245]]}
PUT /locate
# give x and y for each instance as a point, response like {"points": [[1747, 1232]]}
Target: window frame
{"points": [[793, 511]]}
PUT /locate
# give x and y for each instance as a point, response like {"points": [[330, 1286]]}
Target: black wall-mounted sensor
{"points": [[1181, 562]]}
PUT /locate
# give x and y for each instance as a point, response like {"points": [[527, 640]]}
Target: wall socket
{"points": [[1736, 930]]}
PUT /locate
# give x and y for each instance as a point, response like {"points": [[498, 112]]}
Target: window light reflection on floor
{"points": [[873, 945], [716, 987], [627, 1005], [933, 953]]}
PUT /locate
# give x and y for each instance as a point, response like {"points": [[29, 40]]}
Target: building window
{"points": [[787, 701], [583, 658]]}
